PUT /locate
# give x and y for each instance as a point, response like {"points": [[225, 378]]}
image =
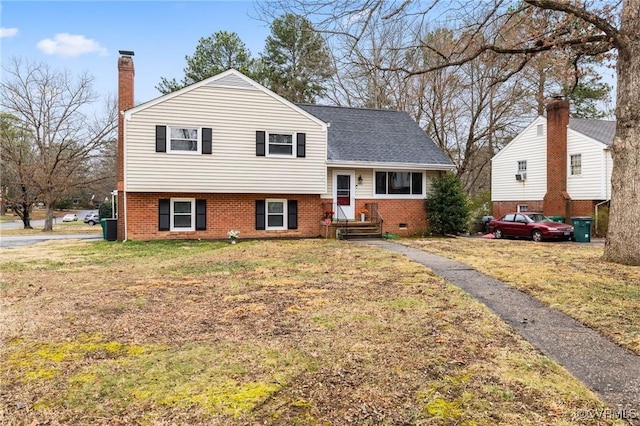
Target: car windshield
{"points": [[537, 217]]}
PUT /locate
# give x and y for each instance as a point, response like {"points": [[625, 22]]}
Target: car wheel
{"points": [[498, 233], [91, 223], [536, 236]]}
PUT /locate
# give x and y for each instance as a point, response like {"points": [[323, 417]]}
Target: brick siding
{"points": [[224, 212]]}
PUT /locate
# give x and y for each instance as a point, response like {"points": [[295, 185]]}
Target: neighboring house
{"points": [[227, 153], [558, 165]]}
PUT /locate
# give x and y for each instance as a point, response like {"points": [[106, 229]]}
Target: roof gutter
{"points": [[385, 165]]}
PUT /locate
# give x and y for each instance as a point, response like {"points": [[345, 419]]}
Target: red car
{"points": [[536, 226]]}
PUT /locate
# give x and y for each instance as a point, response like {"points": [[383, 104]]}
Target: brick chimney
{"points": [[125, 102], [557, 201]]}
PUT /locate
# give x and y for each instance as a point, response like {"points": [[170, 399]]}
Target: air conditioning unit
{"points": [[521, 176]]}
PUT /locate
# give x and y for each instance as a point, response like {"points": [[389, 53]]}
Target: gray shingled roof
{"points": [[600, 130], [381, 136]]}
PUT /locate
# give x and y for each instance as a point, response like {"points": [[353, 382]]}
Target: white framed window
{"points": [[184, 140], [540, 130], [280, 144], [276, 212], [399, 184], [522, 208], [522, 166], [576, 164], [183, 214]]}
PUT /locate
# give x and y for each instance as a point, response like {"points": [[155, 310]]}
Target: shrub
{"points": [[105, 210], [447, 206]]}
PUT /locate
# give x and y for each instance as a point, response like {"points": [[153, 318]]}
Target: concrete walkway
{"points": [[606, 368]]}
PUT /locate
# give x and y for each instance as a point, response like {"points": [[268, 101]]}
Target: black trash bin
{"points": [[111, 229]]}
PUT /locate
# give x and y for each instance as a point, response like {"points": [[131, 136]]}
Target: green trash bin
{"points": [[581, 229], [559, 219], [103, 223], [111, 229]]}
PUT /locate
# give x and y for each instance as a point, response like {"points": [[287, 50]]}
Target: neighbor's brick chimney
{"points": [[557, 201], [125, 102]]}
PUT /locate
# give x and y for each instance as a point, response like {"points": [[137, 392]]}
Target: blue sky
{"points": [[86, 35]]}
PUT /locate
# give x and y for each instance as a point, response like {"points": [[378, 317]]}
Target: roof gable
{"points": [[231, 79], [381, 136]]}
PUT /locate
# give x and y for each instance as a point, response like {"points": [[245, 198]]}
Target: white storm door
{"points": [[344, 189]]}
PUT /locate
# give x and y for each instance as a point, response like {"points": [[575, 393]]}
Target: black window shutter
{"points": [[206, 140], [161, 138], [164, 214], [260, 143], [381, 182], [301, 139], [260, 214], [416, 183], [201, 215], [292, 214]]}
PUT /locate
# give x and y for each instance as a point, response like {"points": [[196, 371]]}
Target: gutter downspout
{"points": [[606, 188]]}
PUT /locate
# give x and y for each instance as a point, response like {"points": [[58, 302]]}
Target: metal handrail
{"points": [[345, 228], [376, 216]]}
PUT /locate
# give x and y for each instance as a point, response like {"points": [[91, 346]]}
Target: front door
{"points": [[344, 194]]}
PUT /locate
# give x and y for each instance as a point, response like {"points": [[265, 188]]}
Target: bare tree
{"points": [[17, 159], [64, 133], [592, 27]]}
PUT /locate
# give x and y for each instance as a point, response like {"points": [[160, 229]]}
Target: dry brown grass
{"points": [[570, 277], [291, 332]]}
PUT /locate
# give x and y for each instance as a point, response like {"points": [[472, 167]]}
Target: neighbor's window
{"points": [[540, 130], [281, 144], [522, 166], [523, 208], [398, 183], [276, 214], [576, 164], [184, 139], [183, 214]]}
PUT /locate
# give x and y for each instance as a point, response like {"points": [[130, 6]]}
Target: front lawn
{"points": [[569, 277], [308, 332]]}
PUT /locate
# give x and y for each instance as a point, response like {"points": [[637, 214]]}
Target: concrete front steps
{"points": [[357, 229]]}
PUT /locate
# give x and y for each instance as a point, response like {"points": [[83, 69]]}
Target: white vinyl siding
{"points": [[234, 114], [588, 185], [528, 146]]}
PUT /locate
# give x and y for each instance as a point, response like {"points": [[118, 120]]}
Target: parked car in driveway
{"points": [[70, 217], [92, 218], [536, 226]]}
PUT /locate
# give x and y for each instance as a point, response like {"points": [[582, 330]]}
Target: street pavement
{"points": [[23, 240]]}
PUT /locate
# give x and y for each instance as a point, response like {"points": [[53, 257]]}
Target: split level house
{"points": [[228, 154], [558, 165]]}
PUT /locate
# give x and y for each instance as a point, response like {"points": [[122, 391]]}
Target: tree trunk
{"points": [[48, 220], [623, 237], [24, 213]]}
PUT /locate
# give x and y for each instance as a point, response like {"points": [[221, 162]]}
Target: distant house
{"points": [[227, 153], [558, 165]]}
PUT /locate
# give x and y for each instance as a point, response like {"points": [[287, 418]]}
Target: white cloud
{"points": [[8, 32], [65, 44]]}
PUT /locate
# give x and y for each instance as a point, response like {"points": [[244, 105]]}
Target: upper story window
{"points": [[184, 140], [540, 130], [576, 165], [281, 144], [399, 183], [522, 166]]}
